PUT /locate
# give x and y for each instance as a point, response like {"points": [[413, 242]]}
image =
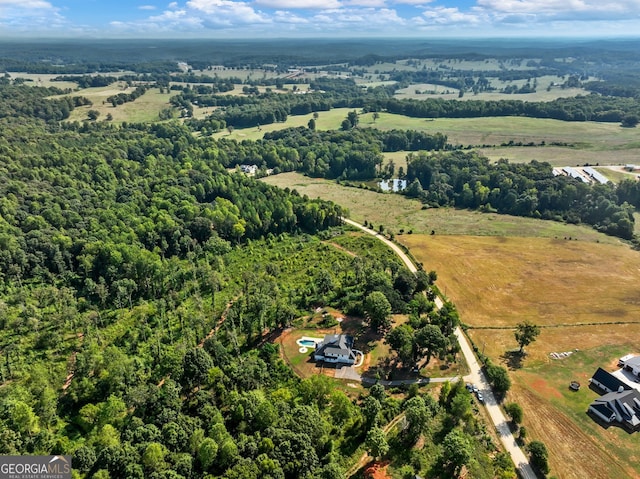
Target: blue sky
{"points": [[317, 18]]}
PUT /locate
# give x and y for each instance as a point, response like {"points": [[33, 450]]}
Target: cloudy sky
{"points": [[318, 18]]}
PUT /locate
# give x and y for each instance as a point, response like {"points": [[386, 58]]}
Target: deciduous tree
{"points": [[526, 333]]}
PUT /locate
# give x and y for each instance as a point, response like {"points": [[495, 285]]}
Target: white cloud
{"points": [[26, 4], [576, 10], [299, 4], [367, 3], [227, 12], [449, 15], [358, 20], [147, 7], [288, 17], [412, 2], [29, 16]]}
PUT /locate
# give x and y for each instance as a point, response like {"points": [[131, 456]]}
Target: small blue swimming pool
{"points": [[307, 343]]}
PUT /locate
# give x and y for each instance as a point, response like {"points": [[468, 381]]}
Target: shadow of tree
{"points": [[513, 359]]}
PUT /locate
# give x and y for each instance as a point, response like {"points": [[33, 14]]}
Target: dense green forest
{"points": [[140, 284]]}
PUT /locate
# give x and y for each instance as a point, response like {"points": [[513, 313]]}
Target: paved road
{"points": [[476, 376]]}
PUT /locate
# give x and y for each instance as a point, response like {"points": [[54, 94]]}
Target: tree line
{"points": [[468, 180]]}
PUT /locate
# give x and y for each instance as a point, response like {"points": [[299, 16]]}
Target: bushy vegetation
{"points": [[468, 180]]}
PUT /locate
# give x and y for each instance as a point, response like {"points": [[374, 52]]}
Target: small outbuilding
{"points": [[630, 363]]}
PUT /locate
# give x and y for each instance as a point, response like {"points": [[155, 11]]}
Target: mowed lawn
{"points": [[396, 212], [559, 284]]}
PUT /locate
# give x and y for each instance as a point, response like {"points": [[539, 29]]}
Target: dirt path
{"points": [[476, 376], [365, 458], [341, 248], [220, 322]]}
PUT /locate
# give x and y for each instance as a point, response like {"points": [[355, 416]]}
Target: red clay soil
{"points": [[542, 387], [378, 470]]}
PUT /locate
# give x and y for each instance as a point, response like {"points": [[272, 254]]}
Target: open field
{"points": [[560, 418], [396, 212], [498, 130], [449, 93], [560, 285], [591, 142], [327, 120], [499, 281], [144, 109], [565, 156]]}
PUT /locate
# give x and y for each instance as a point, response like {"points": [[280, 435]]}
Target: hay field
{"points": [[396, 212], [558, 284], [499, 281]]}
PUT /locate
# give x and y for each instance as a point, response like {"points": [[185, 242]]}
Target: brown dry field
{"points": [[498, 281]]}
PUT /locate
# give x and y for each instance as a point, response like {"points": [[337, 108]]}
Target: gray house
{"points": [[335, 348], [622, 408], [621, 403]]}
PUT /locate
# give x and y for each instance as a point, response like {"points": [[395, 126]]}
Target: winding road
{"points": [[476, 376]]}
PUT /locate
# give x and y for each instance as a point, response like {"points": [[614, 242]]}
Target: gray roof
{"points": [[609, 380], [335, 345], [634, 361], [625, 404], [602, 409]]}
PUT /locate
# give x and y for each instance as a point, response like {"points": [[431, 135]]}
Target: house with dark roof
{"points": [[335, 348], [607, 382], [621, 407]]}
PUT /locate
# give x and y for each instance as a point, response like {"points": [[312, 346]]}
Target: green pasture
{"points": [[144, 109], [497, 130], [396, 212]]}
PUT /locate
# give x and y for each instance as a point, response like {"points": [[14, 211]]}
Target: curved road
{"points": [[476, 376]]}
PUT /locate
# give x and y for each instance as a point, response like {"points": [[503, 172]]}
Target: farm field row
{"points": [[421, 91], [499, 281]]}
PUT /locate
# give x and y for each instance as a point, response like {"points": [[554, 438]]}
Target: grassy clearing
{"points": [[144, 109], [428, 90], [327, 120], [592, 142], [399, 158], [396, 212], [499, 281]]}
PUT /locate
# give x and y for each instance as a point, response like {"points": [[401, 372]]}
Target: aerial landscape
{"points": [[368, 239]]}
